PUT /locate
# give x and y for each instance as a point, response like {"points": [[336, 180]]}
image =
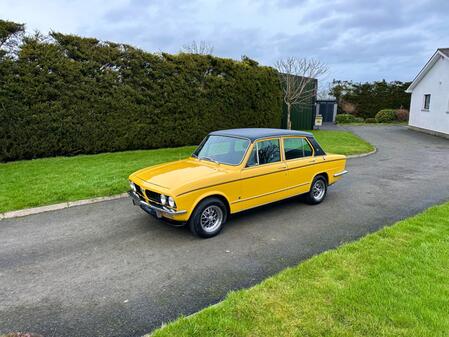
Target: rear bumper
{"points": [[158, 211], [339, 174]]}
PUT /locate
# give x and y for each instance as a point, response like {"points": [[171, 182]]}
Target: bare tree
{"points": [[325, 91], [201, 48], [297, 76]]}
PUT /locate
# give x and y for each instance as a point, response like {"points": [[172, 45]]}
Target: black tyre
{"points": [[208, 218], [317, 191]]}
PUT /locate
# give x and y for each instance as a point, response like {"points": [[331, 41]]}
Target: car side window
{"points": [[252, 160], [295, 148], [265, 152]]}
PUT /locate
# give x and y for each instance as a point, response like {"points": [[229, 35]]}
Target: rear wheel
{"points": [[208, 218], [318, 191]]}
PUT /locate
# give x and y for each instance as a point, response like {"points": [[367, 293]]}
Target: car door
{"points": [[264, 176], [301, 163]]}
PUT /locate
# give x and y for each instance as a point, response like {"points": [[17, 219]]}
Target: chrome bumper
{"points": [[146, 206], [340, 173]]}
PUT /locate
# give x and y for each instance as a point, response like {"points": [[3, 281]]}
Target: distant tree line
{"points": [[66, 95], [366, 99]]}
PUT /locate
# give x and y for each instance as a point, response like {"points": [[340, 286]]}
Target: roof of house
{"points": [[440, 52], [257, 133], [445, 51]]}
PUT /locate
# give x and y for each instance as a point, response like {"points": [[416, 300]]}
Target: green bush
{"points": [[68, 95], [386, 116], [370, 120], [345, 118]]}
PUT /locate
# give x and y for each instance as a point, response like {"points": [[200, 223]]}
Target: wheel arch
{"points": [[212, 194], [324, 174]]}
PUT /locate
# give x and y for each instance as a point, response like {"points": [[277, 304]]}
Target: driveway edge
{"points": [[54, 207], [352, 156]]}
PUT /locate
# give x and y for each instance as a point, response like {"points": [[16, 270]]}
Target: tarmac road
{"points": [[109, 269]]}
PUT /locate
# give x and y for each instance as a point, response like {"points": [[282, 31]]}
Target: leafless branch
{"points": [[297, 76], [201, 48], [324, 91]]}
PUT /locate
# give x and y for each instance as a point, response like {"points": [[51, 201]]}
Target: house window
{"points": [[426, 105]]}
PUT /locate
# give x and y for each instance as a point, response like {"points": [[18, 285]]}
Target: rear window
{"points": [[318, 150]]}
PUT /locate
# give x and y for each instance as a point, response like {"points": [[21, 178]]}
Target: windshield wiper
{"points": [[194, 155], [209, 159]]}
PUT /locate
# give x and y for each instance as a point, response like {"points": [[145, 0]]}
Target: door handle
{"points": [[312, 161]]}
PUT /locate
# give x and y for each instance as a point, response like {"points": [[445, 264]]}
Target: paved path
{"points": [[108, 269]]}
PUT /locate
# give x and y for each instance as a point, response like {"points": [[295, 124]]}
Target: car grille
{"points": [[139, 191], [153, 196]]}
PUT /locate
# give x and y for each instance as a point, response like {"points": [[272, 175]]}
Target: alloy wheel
{"points": [[211, 218]]}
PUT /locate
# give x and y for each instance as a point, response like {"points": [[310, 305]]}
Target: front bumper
{"points": [[158, 211]]}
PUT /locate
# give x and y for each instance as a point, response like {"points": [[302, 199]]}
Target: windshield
{"points": [[222, 149]]}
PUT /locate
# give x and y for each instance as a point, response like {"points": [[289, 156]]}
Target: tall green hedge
{"points": [[370, 97], [66, 95]]}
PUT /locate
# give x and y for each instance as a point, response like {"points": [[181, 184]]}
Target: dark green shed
{"points": [[302, 115]]}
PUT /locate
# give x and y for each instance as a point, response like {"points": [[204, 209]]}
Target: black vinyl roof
{"points": [[257, 133]]}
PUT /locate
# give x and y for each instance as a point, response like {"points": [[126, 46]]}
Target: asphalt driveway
{"points": [[108, 269]]}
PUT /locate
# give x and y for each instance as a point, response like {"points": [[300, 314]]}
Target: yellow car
{"points": [[232, 171]]}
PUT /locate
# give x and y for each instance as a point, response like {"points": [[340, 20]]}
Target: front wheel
{"points": [[318, 191], [208, 218]]}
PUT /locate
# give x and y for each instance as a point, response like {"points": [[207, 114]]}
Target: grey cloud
{"points": [[360, 40]]}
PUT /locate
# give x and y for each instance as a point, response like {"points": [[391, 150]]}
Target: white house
{"points": [[429, 106]]}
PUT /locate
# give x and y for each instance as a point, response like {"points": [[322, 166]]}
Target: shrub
{"points": [[386, 116], [74, 95], [344, 118], [370, 120], [402, 115], [348, 108]]}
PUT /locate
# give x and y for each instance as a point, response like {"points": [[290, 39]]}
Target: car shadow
{"points": [[247, 217]]}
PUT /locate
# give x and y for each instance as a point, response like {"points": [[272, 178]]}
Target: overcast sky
{"points": [[360, 40]]}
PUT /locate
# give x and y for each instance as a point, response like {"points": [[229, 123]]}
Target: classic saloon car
{"points": [[235, 170]]}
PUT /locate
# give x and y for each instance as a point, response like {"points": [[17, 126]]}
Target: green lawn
{"points": [[39, 182], [391, 283], [342, 142]]}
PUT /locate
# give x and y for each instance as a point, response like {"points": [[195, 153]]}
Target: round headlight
{"points": [[163, 199], [133, 187], [171, 202]]}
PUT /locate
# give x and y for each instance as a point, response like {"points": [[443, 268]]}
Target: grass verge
{"points": [[39, 182], [32, 183], [342, 142], [391, 283]]}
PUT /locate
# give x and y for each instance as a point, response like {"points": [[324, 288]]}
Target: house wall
{"points": [[435, 83]]}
